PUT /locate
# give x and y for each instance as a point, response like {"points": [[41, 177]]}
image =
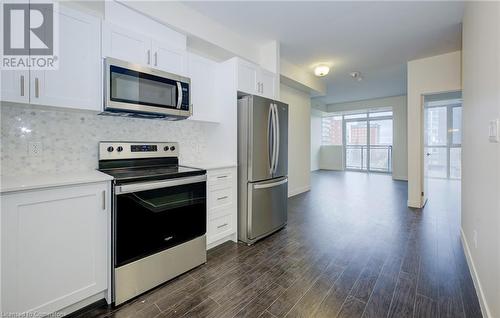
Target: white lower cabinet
{"points": [[54, 247], [221, 206]]}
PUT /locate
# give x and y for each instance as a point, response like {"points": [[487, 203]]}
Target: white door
{"points": [[168, 59], [77, 81], [201, 71], [268, 82], [126, 45], [15, 86], [247, 77], [54, 247]]}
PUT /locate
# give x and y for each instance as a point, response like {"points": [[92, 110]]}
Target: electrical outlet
{"points": [[35, 149], [474, 238]]}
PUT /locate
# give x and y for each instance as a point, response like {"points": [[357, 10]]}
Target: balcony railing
{"points": [[379, 159]]}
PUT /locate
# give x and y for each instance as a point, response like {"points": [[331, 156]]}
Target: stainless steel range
{"points": [[159, 215]]}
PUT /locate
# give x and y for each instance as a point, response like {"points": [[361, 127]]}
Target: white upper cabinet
{"points": [[136, 38], [267, 84], [15, 86], [168, 58], [253, 79], [134, 47], [76, 83], [247, 77], [202, 74], [126, 45]]}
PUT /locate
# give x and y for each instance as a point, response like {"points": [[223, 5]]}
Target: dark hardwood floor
{"points": [[351, 248]]}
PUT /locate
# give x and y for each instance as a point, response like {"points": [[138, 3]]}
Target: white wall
{"points": [[299, 139], [480, 158], [440, 73], [315, 137], [400, 149], [332, 157]]}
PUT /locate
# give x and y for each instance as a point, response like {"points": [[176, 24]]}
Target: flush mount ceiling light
{"points": [[321, 70], [357, 76]]}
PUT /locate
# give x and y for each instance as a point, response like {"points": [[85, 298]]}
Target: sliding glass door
{"points": [[368, 141], [443, 141], [356, 144]]}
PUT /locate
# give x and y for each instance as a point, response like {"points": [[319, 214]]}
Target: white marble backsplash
{"points": [[70, 139]]}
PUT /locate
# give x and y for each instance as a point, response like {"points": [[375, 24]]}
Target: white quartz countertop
{"points": [[47, 180], [210, 165]]}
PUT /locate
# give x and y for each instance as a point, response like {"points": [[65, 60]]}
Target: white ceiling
{"points": [[375, 38]]}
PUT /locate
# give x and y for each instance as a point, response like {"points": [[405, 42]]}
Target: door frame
{"points": [[421, 150]]}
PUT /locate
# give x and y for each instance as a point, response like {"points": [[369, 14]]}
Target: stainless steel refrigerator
{"points": [[262, 167]]}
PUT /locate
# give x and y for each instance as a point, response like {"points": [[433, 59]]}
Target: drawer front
{"points": [[220, 178], [220, 197], [220, 212], [220, 227]]}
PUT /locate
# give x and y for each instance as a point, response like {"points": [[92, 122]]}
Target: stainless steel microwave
{"points": [[140, 91]]}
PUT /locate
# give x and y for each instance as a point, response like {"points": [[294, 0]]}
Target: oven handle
{"points": [[143, 186]]}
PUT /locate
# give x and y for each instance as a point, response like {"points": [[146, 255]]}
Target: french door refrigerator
{"points": [[262, 167]]}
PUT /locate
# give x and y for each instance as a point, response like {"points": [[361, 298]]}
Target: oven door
{"points": [[153, 216], [138, 89]]}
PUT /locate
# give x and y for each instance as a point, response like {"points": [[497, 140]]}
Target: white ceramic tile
{"points": [[70, 138]]}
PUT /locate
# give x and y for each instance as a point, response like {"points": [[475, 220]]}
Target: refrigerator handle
{"points": [[273, 111], [270, 130], [277, 144], [270, 185]]}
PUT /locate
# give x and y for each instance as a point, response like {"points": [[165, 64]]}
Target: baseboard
{"points": [[400, 178], [231, 237], [82, 306], [485, 310], [299, 191], [414, 204]]}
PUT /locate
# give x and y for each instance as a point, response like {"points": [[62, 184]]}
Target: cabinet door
{"points": [[126, 45], [77, 81], [202, 73], [15, 86], [54, 247], [247, 77], [268, 84], [168, 59]]}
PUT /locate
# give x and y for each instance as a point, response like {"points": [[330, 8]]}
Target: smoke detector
{"points": [[356, 76]]}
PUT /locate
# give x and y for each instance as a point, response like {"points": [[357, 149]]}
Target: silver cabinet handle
{"points": [[221, 226], [156, 58], [22, 85], [222, 198], [270, 185], [221, 177], [104, 199], [149, 56], [37, 87]]}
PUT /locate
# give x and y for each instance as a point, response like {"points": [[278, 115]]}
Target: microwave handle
{"points": [[179, 95]]}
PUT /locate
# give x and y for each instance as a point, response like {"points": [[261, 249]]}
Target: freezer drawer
{"points": [[267, 207]]}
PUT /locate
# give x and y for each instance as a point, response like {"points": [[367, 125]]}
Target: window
{"points": [[331, 130], [381, 114], [443, 138]]}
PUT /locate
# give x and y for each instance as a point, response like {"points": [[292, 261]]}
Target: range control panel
{"points": [[112, 150]]}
